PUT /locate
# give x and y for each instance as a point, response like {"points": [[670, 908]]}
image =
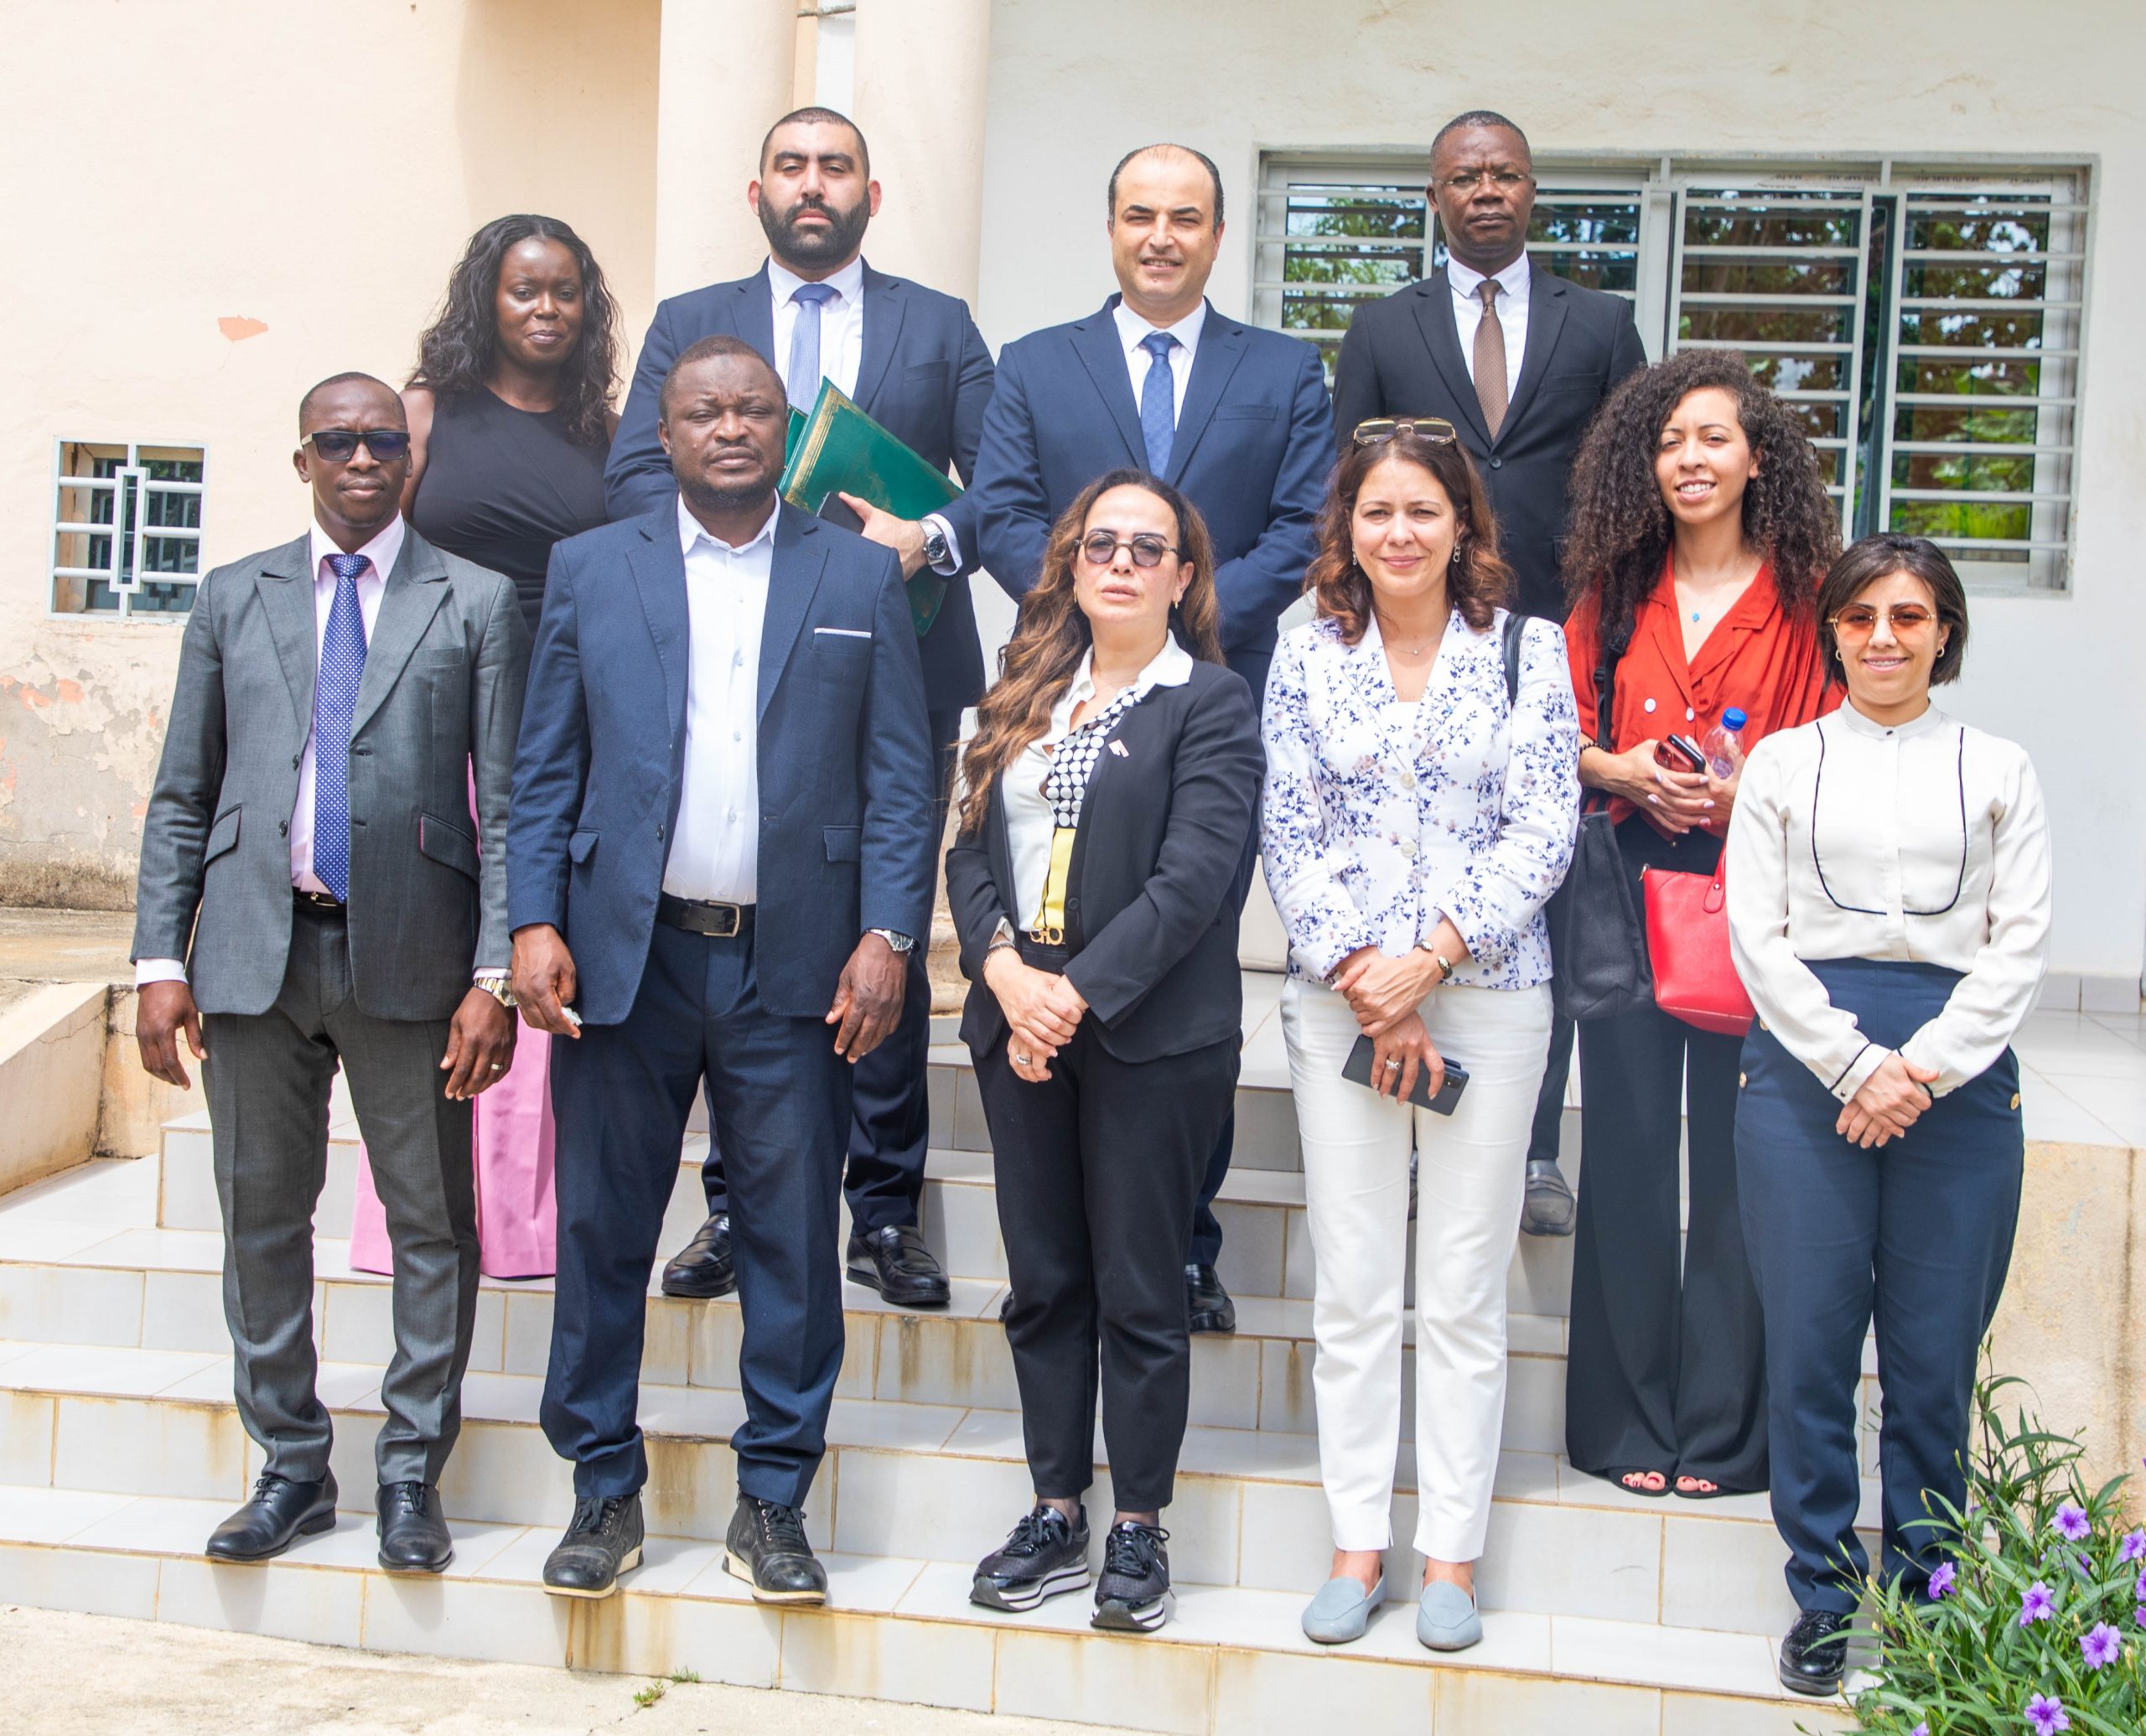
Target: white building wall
{"points": [[1073, 87]]}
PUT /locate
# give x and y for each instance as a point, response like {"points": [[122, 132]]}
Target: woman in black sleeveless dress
{"points": [[511, 418]]}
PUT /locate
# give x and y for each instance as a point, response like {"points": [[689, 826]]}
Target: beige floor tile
{"points": [[47, 1577], [25, 1438], [474, 1619], [1098, 1679], [937, 1663], [637, 1635], [111, 1372], [1716, 1574], [54, 1515], [197, 1451], [923, 1507], [1467, 1702], [63, 1304], [1271, 1691], [1559, 1560], [282, 1599], [1712, 1715], [184, 1311], [1661, 1656]]}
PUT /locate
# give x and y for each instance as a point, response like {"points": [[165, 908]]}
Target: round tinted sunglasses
{"points": [[339, 445], [1099, 548], [1379, 429]]}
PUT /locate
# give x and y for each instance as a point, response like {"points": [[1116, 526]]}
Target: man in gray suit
{"points": [[310, 835]]}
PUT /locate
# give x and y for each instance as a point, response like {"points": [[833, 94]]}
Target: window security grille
{"points": [[127, 528]]}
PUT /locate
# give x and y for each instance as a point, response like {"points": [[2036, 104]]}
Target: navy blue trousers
{"points": [[1917, 1233], [779, 1098]]}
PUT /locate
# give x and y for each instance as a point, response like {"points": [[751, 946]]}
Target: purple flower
{"points": [[2100, 1646], [1941, 1579], [2138, 1615], [2047, 1715], [2036, 1605], [1921, 1730], [2139, 1592], [2134, 1547], [2071, 1524]]}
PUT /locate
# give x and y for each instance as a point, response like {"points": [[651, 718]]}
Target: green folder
{"points": [[841, 449]]}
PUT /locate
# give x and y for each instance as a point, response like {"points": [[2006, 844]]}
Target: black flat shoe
{"points": [[603, 1541], [896, 1263], [413, 1534], [766, 1547], [1815, 1654], [1207, 1304], [704, 1267], [279, 1513], [1548, 1208], [1046, 1554]]}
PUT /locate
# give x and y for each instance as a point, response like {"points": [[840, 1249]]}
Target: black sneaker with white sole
{"points": [[1133, 1594], [1046, 1554], [602, 1541]]}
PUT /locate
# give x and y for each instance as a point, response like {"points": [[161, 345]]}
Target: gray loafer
{"points": [[1342, 1610], [1446, 1620]]}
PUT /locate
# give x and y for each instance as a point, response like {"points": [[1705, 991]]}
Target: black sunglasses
{"points": [[1100, 548], [339, 445]]}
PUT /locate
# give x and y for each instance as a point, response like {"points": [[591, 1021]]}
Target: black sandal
{"points": [[1714, 1494], [1621, 1475]]}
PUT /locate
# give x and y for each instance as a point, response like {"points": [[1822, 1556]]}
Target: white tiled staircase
{"points": [[120, 1448]]}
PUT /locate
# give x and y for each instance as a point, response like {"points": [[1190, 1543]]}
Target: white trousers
{"points": [[1471, 1174]]}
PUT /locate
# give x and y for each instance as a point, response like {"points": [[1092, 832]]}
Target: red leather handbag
{"points": [[1688, 944]]}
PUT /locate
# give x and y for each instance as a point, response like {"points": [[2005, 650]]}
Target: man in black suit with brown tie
{"points": [[1518, 360]]}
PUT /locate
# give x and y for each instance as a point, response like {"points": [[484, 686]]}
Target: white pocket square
{"points": [[844, 632]]}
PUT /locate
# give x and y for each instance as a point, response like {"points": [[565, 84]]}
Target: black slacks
{"points": [[1666, 1369], [1097, 1170], [1917, 1232]]}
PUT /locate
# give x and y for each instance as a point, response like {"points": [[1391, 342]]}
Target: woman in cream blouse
{"points": [[1889, 901], [1420, 806]]}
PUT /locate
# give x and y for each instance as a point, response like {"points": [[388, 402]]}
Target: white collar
{"points": [[848, 283], [692, 531], [1857, 723], [1131, 328], [383, 551], [1467, 282], [1169, 668]]}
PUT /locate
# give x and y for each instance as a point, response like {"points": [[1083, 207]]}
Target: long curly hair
{"points": [[457, 353], [1053, 635], [1620, 529], [1476, 584]]}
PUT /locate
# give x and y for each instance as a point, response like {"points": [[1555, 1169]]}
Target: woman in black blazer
{"points": [[1108, 796]]}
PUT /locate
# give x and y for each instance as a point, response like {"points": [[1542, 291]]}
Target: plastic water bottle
{"points": [[1723, 746]]}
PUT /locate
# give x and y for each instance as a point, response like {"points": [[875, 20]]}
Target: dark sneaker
{"points": [[1046, 1554], [1133, 1594], [1815, 1654], [603, 1541], [766, 1547]]}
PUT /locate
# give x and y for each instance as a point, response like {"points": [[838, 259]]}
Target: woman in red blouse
{"points": [[1700, 530]]}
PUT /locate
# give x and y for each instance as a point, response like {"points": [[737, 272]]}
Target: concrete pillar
{"points": [[725, 77], [923, 71]]}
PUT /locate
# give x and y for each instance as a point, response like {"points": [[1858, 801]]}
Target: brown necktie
{"points": [[1491, 358]]}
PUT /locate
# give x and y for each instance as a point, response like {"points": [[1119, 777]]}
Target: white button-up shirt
{"points": [[1512, 312], [1133, 331], [1382, 817], [1926, 842], [715, 850], [841, 326]]}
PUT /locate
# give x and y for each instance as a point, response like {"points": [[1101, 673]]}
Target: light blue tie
{"points": [[1159, 401], [335, 700], [804, 380]]}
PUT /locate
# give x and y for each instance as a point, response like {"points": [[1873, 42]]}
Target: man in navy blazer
{"points": [[1237, 418], [720, 845], [914, 359]]}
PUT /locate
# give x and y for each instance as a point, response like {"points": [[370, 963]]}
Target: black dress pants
{"points": [[1097, 1170], [1666, 1369]]}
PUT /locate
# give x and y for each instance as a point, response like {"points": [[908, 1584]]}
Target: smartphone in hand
{"points": [[1680, 753]]}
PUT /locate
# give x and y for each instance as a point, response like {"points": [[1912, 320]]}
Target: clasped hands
{"points": [[1384, 993], [1675, 802], [1043, 1008], [1887, 1104]]}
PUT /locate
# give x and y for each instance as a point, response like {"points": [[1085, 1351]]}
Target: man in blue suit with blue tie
{"points": [[719, 852], [914, 359], [1236, 417]]}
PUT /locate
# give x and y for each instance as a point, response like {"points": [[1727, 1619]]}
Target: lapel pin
{"points": [[1119, 748]]}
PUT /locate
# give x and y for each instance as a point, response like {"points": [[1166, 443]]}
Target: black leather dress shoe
{"points": [[765, 1547], [895, 1263], [603, 1541], [413, 1534], [704, 1267], [279, 1514], [1815, 1653], [1207, 1304], [1548, 1207]]}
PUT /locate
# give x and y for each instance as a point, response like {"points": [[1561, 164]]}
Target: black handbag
{"points": [[1598, 945]]}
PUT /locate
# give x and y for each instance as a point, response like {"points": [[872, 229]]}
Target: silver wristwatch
{"points": [[900, 944]]}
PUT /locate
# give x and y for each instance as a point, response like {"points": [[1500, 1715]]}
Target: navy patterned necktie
{"points": [[804, 381], [1158, 403], [334, 701]]}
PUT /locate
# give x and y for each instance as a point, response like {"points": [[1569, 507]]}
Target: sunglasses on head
{"points": [[1379, 429], [1859, 620], [339, 445], [1100, 548]]}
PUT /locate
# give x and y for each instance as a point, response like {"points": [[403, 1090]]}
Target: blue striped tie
{"points": [[334, 701], [1159, 401]]}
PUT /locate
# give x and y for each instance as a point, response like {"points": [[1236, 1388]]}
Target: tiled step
{"points": [[932, 1481], [902, 1629]]}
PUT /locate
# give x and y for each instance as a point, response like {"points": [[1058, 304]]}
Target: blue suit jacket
{"points": [[1254, 447], [924, 377], [847, 834]]}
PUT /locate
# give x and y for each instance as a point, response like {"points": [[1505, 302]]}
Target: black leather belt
{"points": [[705, 916], [318, 901]]}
